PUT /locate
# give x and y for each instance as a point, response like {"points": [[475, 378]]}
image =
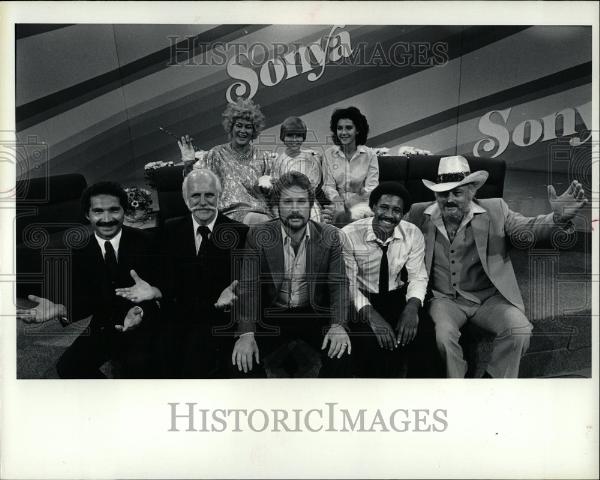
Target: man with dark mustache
{"points": [[119, 330], [470, 273], [292, 284], [385, 265]]}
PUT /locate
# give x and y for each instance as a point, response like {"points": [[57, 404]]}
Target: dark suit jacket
{"points": [[263, 269], [92, 291], [190, 288]]}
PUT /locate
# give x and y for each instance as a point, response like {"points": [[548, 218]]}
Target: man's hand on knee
{"points": [[382, 329], [245, 348]]}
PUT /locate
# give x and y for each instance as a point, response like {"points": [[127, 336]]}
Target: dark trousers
{"points": [[131, 353], [281, 327], [418, 359], [197, 345]]}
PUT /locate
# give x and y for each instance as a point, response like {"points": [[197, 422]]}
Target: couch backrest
{"points": [[168, 181], [407, 170], [51, 201], [411, 170]]}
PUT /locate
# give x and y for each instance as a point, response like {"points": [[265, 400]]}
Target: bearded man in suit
{"points": [[471, 277], [293, 284]]}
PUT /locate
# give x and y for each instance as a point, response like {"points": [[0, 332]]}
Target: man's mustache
{"points": [[212, 209], [451, 204], [107, 224], [386, 219]]}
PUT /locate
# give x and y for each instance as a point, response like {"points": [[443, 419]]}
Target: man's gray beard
{"points": [[454, 218]]}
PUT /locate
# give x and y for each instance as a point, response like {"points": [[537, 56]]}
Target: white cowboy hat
{"points": [[453, 172]]}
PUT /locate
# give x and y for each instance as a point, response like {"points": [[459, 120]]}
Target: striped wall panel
{"points": [[96, 94]]}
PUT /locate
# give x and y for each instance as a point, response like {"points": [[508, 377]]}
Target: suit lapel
{"points": [[429, 230], [187, 234], [481, 229], [124, 247], [273, 249], [314, 255]]}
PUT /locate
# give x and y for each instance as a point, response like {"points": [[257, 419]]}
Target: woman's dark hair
{"points": [[358, 119], [292, 125], [390, 188], [292, 179], [103, 188]]}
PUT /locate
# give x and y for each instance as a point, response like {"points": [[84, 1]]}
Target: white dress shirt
{"points": [[115, 242], [362, 255], [197, 236]]}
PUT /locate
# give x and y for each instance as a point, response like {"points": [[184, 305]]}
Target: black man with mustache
{"points": [[384, 258]]}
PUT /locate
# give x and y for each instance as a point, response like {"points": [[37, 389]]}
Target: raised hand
{"points": [[186, 147], [140, 291], [338, 340], [406, 150], [132, 320], [227, 297], [44, 310], [566, 206]]}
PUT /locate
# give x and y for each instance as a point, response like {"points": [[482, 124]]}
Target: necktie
{"points": [[204, 232], [110, 259], [383, 270]]}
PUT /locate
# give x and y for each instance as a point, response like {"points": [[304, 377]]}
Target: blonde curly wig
{"points": [[245, 110]]}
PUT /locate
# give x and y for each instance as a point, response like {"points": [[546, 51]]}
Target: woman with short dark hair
{"points": [[296, 159]]}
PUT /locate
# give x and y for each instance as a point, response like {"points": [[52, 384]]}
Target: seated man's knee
{"points": [[517, 328], [446, 332]]}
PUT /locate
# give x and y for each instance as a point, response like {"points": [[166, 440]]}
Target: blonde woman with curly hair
{"points": [[238, 163]]}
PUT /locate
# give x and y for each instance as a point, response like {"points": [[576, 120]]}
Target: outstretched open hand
{"points": [[140, 291], [44, 310], [566, 206], [132, 320], [227, 297]]}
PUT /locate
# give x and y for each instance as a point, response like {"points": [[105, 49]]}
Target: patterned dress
{"points": [[239, 177], [307, 162]]}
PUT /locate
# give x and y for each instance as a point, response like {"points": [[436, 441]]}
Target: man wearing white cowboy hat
{"points": [[470, 272]]}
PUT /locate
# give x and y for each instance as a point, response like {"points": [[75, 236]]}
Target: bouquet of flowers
{"points": [[140, 203], [381, 151], [151, 168]]}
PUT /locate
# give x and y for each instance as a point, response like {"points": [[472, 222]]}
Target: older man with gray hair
{"points": [[471, 277], [197, 288]]}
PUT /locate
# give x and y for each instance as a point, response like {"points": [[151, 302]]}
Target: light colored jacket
{"points": [[494, 230]]}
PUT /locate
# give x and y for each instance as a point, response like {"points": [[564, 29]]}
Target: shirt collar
{"points": [[211, 225], [359, 149], [434, 209], [397, 235], [285, 236], [115, 241]]}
